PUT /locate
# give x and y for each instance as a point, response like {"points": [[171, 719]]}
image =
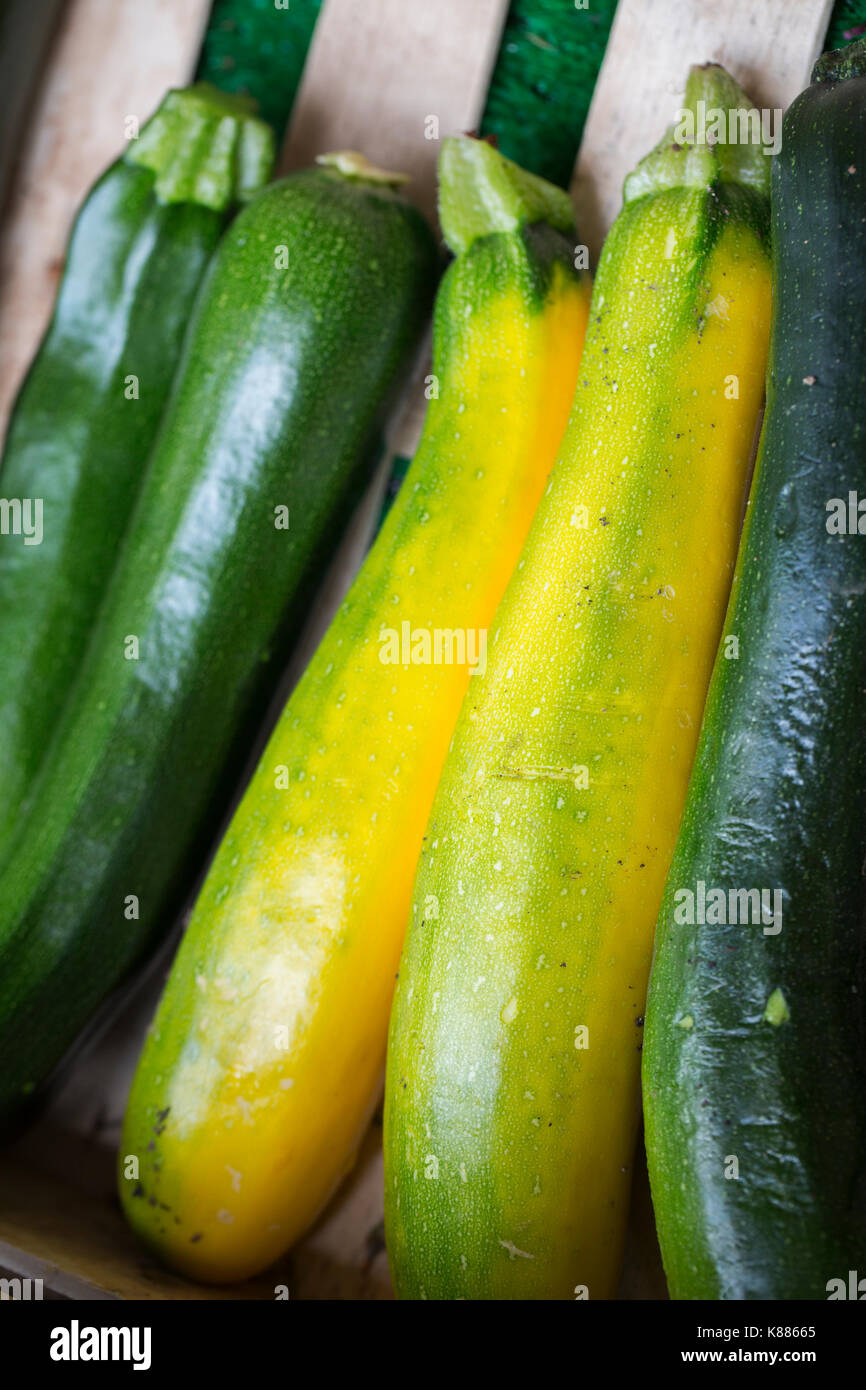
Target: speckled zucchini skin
{"points": [[309, 311], [87, 414], [514, 1054], [266, 1056], [778, 797]]}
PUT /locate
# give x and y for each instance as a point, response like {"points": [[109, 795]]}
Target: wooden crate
{"points": [[59, 1216]]}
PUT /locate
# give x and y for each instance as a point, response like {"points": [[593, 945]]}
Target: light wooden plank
{"points": [[108, 61], [769, 47], [376, 72]]}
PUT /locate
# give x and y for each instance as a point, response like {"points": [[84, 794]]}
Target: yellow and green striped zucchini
{"points": [[513, 1065]]}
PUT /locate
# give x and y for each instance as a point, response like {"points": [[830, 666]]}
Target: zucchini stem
{"points": [[480, 192], [841, 63], [718, 137], [354, 165], [205, 146]]}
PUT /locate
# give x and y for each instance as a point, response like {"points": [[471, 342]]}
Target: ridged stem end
{"points": [[205, 146], [718, 137], [480, 191], [841, 63]]}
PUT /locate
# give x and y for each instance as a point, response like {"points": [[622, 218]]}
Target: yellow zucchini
{"points": [[266, 1056]]}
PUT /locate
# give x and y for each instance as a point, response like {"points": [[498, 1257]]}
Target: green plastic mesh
{"points": [[847, 15], [543, 81], [252, 46]]}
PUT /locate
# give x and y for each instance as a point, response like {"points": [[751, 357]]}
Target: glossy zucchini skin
{"points": [[514, 1053], [755, 1038], [310, 307], [87, 414], [265, 1059]]}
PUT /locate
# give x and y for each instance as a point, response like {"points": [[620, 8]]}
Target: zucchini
{"points": [[512, 1092], [312, 302], [755, 1065], [88, 411], [26, 32], [258, 1079]]}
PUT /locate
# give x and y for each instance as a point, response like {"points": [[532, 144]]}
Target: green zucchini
{"points": [[88, 411], [311, 305], [26, 31], [754, 1066]]}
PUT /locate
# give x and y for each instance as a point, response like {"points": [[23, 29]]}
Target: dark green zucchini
{"points": [[88, 411], [311, 305], [26, 31], [754, 1065]]}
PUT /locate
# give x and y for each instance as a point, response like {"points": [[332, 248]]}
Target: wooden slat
{"points": [[109, 60], [767, 45], [376, 72]]}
